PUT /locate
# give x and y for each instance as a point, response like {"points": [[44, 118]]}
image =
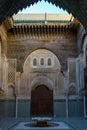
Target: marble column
{"points": [[85, 107], [18, 83], [78, 74], [16, 107], [66, 84], [5, 74]]}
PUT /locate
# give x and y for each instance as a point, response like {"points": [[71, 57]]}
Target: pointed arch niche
{"points": [[41, 67], [41, 58]]}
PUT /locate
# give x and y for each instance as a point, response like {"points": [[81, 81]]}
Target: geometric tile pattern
{"points": [[11, 70]]}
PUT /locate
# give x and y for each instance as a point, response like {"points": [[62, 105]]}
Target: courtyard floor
{"points": [[78, 123]]}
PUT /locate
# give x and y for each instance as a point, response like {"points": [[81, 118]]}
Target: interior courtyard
{"points": [[43, 65]]}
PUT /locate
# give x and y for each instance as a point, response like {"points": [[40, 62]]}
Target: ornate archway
{"points": [[42, 101], [77, 8]]}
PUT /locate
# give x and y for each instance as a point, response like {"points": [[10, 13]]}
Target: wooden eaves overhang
{"points": [[42, 28]]}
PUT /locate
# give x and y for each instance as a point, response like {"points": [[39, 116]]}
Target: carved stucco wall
{"points": [[63, 45], [26, 80], [50, 76]]}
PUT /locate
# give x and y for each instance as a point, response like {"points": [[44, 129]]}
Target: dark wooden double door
{"points": [[42, 101]]}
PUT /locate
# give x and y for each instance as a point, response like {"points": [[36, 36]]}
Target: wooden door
{"points": [[42, 101]]}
